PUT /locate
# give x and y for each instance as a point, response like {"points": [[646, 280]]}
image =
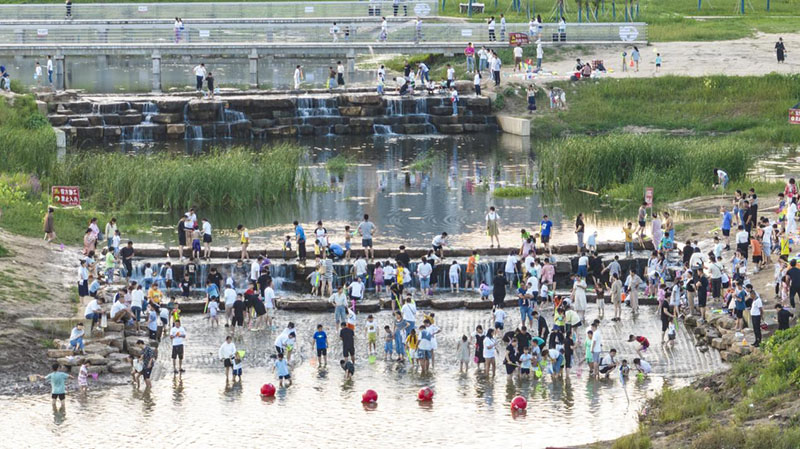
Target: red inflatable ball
{"points": [[519, 403], [369, 396], [268, 390], [425, 394]]}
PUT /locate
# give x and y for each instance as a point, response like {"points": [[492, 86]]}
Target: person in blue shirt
{"points": [[58, 388], [212, 291], [546, 226], [321, 341], [94, 286], [300, 236], [282, 367], [727, 219]]}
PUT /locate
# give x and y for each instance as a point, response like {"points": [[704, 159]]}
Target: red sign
{"points": [[515, 39], [648, 196], [66, 195], [794, 115]]}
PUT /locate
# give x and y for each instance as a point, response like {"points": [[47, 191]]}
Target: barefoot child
{"points": [[525, 362], [58, 387], [136, 370], [213, 311], [348, 367], [462, 353], [371, 330], [237, 366], [454, 274], [377, 277], [83, 376], [642, 341], [388, 339], [321, 343], [282, 368]]}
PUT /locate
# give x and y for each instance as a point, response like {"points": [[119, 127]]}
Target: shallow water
{"points": [[408, 207], [468, 409]]}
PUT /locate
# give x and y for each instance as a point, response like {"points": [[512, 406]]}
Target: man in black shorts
{"points": [[702, 294], [148, 361], [126, 254], [178, 335], [348, 342]]}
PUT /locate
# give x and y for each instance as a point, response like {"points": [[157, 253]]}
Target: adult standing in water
{"points": [[492, 227], [181, 236], [580, 227], [300, 237], [780, 51], [366, 229], [499, 289], [49, 225]]}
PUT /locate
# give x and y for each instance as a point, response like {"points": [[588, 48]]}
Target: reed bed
{"points": [[236, 178]]}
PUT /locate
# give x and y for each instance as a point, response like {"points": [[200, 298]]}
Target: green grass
{"points": [[4, 252], [512, 192], [236, 178], [338, 165], [677, 405], [28, 142], [638, 440], [719, 104], [622, 165], [424, 161]]}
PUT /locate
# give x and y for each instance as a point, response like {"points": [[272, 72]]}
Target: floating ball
{"points": [[268, 390], [519, 403], [369, 396], [425, 394]]}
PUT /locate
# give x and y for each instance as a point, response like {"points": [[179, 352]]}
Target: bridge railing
{"points": [[202, 10], [311, 33]]}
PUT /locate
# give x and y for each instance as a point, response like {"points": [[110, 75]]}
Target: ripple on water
{"points": [[468, 410]]}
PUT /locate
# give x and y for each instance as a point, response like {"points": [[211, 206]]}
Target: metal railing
{"points": [[201, 10], [312, 33]]}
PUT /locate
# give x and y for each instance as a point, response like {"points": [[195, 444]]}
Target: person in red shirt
{"points": [[643, 342]]}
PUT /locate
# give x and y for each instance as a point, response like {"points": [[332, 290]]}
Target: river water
{"points": [[198, 409], [408, 207]]}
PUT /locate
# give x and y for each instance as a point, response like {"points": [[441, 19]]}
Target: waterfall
{"points": [[142, 132], [394, 106], [192, 132], [317, 107], [382, 129]]}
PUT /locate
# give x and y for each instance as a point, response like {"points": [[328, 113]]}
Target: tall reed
{"points": [[236, 178], [27, 142]]}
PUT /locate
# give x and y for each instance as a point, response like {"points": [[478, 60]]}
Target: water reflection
{"points": [[410, 206]]}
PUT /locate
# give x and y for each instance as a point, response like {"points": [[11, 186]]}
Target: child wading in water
{"points": [[282, 367], [462, 353]]}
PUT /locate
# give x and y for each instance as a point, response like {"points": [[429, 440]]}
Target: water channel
{"points": [[468, 410]]}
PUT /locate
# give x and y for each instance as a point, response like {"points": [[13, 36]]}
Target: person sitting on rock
{"points": [[121, 314]]}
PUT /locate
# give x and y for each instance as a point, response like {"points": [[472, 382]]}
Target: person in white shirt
{"points": [[511, 269], [409, 313], [334, 32], [178, 335], [454, 274], [298, 76], [230, 297], [451, 76], [539, 55], [499, 316], [596, 348], [756, 309], [424, 270], [384, 29], [489, 352], [438, 243], [200, 75], [356, 290], [742, 241], [518, 58], [94, 312], [339, 301], [360, 268], [477, 83], [226, 354], [490, 27], [50, 70], [269, 302], [255, 269], [642, 366], [502, 27], [206, 239]]}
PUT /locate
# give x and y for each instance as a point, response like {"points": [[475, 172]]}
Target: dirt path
{"points": [[35, 281], [749, 56]]}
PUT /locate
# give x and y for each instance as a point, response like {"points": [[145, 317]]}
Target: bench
{"points": [[476, 7]]}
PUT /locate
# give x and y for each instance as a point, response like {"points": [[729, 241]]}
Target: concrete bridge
{"points": [[252, 51]]}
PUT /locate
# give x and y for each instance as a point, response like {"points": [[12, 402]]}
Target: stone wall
{"points": [[109, 119]]}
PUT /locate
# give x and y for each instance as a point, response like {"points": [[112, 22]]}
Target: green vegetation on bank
{"points": [[731, 409], [113, 182], [699, 123], [236, 178], [756, 106]]}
